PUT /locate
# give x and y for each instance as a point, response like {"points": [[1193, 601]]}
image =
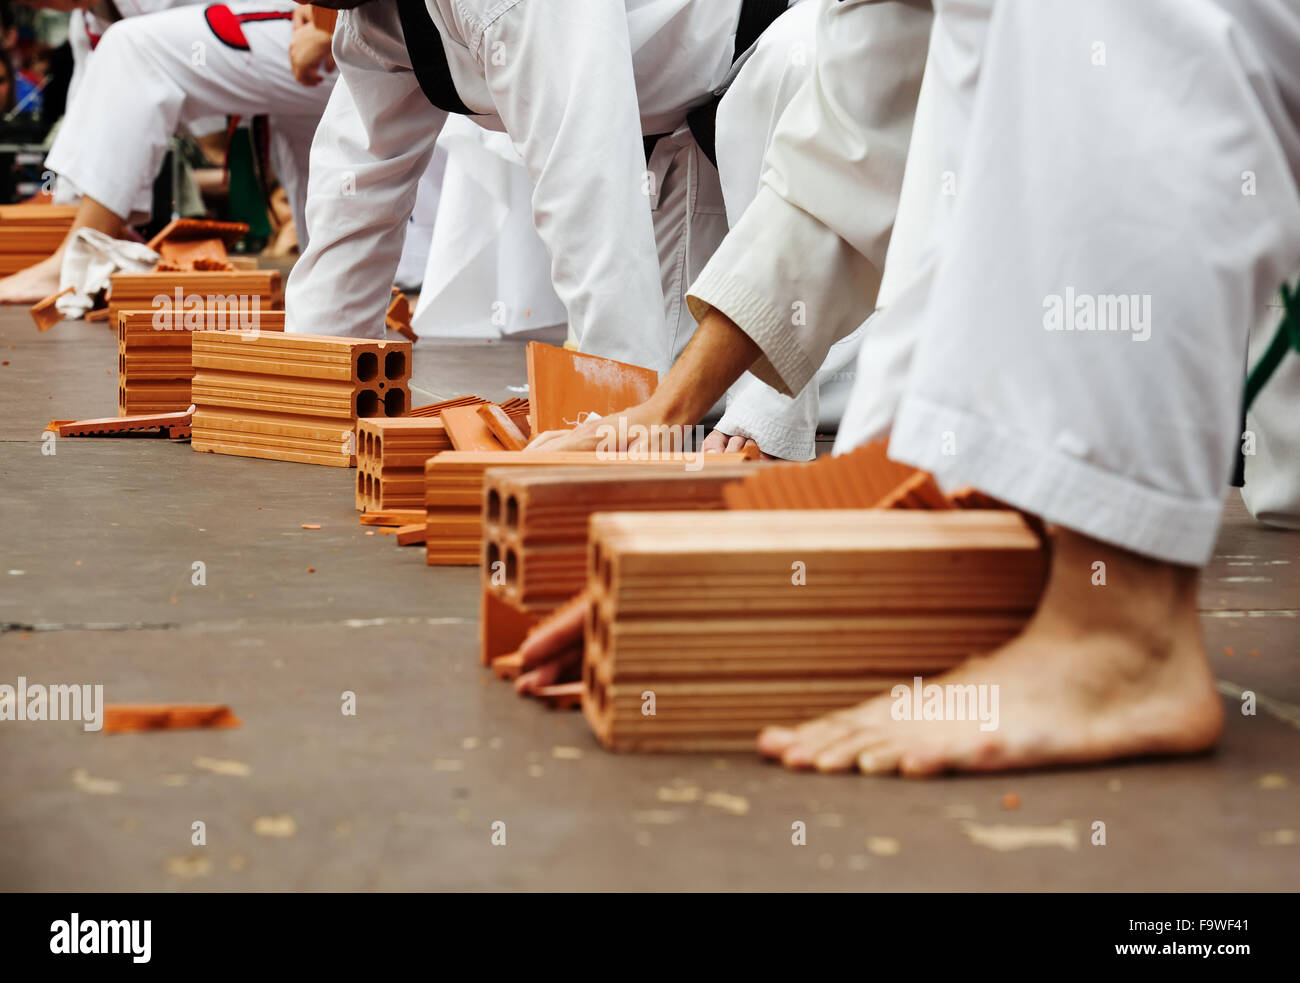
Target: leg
{"points": [[1127, 447], [374, 141], [148, 75]]}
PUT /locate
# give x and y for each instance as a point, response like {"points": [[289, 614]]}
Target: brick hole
{"points": [[367, 366], [394, 365], [512, 568], [367, 403], [512, 512], [394, 402], [493, 505]]}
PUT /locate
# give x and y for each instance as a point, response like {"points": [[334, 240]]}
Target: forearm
{"points": [[716, 356]]}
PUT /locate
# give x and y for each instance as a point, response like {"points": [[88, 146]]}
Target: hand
{"points": [[649, 427], [301, 15], [552, 652], [309, 50]]}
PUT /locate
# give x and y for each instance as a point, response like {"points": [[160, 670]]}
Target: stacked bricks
{"points": [[192, 300], [454, 492], [293, 397], [154, 364], [391, 454], [536, 520], [30, 233], [739, 620]]}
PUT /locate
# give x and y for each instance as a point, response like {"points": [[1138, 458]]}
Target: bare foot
{"points": [[34, 283], [1101, 672]]}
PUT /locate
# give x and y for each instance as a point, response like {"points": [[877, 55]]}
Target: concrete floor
{"points": [[97, 544]]}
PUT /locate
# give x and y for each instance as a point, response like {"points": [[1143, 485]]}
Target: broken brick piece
{"points": [[412, 535], [502, 628], [126, 718], [198, 229], [468, 431], [45, 314], [567, 387], [502, 427], [435, 409], [163, 423], [391, 517], [864, 478], [398, 316]]}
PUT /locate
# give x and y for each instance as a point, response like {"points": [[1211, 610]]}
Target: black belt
{"points": [[756, 16], [429, 57]]}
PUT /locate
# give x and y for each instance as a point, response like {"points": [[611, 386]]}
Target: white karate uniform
{"points": [[1098, 150], [487, 274], [576, 85], [85, 27], [151, 73]]}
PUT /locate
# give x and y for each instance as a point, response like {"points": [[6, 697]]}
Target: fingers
{"points": [[567, 667], [554, 636], [542, 440]]}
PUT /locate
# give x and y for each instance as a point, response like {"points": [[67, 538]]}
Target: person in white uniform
{"points": [[1126, 205], [599, 116], [150, 73]]}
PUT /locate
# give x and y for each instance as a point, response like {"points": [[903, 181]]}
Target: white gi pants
{"points": [[378, 131], [151, 73], [1126, 208], [488, 273]]}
